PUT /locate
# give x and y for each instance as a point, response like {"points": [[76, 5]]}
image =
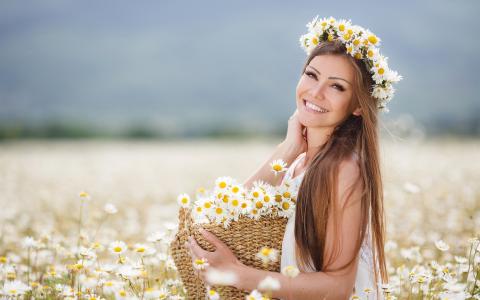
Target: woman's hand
{"points": [[222, 259], [296, 139]]}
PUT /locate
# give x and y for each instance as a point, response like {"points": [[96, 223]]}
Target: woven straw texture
{"points": [[244, 237]]}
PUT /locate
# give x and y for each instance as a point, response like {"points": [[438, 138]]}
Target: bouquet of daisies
{"points": [[247, 220]]}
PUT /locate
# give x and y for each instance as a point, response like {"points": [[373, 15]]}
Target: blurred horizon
{"points": [[215, 69]]}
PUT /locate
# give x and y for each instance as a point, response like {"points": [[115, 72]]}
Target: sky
{"points": [[176, 64]]}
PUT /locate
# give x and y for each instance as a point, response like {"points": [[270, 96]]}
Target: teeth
{"points": [[314, 107]]}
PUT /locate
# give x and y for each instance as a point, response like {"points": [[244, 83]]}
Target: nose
{"points": [[318, 89]]}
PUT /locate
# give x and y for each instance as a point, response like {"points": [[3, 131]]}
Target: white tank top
{"points": [[365, 273]]}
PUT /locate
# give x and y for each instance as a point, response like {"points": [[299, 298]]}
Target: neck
{"points": [[316, 138]]}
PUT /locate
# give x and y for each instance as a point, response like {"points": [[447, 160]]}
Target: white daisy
{"points": [[441, 245], [254, 213], [200, 263], [381, 92], [207, 204], [269, 284], [278, 166], [183, 200], [110, 209], [255, 295], [372, 38], [117, 247], [212, 294], [111, 286], [144, 249], [222, 183], [267, 255], [236, 189], [217, 277], [290, 271], [15, 288], [151, 293], [245, 206], [29, 242], [286, 209]]}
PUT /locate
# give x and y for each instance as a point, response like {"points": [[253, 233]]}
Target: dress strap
{"points": [[289, 173]]}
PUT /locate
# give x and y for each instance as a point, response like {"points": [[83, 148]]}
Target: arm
{"points": [[293, 145], [326, 284]]}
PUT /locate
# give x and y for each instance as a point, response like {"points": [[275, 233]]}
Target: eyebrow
{"points": [[331, 77]]}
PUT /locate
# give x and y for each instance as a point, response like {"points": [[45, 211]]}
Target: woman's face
{"points": [[324, 91]]}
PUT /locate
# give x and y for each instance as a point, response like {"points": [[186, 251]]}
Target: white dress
{"points": [[365, 274]]}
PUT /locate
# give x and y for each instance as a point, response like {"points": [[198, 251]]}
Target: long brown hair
{"points": [[317, 192]]}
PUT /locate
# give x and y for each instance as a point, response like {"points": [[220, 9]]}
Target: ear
{"points": [[357, 111]]}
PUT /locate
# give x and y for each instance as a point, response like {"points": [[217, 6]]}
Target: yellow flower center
{"points": [[225, 199], [222, 184], [358, 55], [259, 205], [324, 24], [370, 53], [184, 200], [140, 249], [372, 39], [117, 249], [278, 198], [207, 205], [286, 194], [356, 42], [346, 36], [219, 210], [381, 71], [235, 189], [235, 202], [255, 194], [285, 205], [315, 40], [122, 293], [108, 283], [266, 251], [330, 37], [266, 198], [244, 205], [341, 27], [199, 209], [277, 168], [212, 292]]}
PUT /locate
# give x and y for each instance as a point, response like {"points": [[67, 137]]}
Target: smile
{"points": [[313, 107]]}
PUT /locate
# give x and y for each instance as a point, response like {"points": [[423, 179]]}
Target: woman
{"points": [[337, 234]]}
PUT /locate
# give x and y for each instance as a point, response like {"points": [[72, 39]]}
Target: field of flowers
{"points": [[93, 219]]}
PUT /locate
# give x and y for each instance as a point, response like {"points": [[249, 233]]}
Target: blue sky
{"points": [[194, 63]]}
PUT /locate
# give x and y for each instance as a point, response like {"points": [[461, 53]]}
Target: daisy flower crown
{"points": [[360, 43]]}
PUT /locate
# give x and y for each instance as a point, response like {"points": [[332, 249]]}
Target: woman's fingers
{"points": [[196, 249], [211, 238]]}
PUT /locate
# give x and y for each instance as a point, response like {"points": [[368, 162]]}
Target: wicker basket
{"points": [[244, 237]]}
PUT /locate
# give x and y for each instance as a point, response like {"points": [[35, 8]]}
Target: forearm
{"points": [[305, 286], [282, 151]]}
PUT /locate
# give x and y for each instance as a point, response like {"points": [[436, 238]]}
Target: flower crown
{"points": [[361, 44]]}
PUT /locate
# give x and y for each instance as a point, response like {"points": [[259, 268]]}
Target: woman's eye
{"points": [[310, 74], [338, 87]]}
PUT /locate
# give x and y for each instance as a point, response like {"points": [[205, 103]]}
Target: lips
{"points": [[311, 107]]}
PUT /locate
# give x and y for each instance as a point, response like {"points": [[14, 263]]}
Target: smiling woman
{"points": [[336, 236]]}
